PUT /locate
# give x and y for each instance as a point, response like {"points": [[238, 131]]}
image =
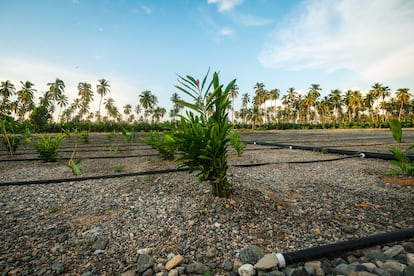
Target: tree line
{"points": [[264, 107]]}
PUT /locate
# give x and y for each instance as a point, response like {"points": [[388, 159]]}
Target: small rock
{"points": [[369, 266], [410, 258], [267, 262], [251, 254], [100, 244], [196, 268], [144, 262], [394, 251], [131, 272], [369, 251], [145, 251], [246, 270], [59, 268], [173, 272], [176, 260], [394, 265], [148, 272], [344, 269], [408, 271], [236, 265], [362, 273], [408, 246], [227, 265], [98, 251], [211, 252]]}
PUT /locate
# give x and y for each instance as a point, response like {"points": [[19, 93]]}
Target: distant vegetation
{"points": [[265, 109]]}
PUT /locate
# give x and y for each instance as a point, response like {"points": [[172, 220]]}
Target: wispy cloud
{"points": [[146, 9], [225, 5], [75, 1], [250, 20], [226, 31], [371, 38]]}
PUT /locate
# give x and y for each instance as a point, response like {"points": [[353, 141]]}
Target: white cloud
{"points": [[225, 31], [371, 38], [225, 5]]}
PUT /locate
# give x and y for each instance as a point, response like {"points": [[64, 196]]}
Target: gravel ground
{"points": [[104, 227]]}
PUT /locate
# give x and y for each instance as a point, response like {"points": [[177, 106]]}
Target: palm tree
{"points": [[138, 111], [86, 96], [158, 113], [354, 102], [111, 108], [402, 98], [274, 95], [56, 89], [369, 101], [243, 110], [289, 100], [175, 98], [102, 88], [336, 101], [61, 101], [234, 92], [379, 91], [7, 90], [147, 101], [25, 97], [127, 110]]}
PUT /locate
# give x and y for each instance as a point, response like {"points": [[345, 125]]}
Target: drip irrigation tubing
{"points": [[336, 249], [366, 154], [83, 178], [85, 158], [297, 162]]}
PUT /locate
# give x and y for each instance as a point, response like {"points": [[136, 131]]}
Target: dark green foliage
{"points": [[10, 136], [164, 144], [203, 134], [402, 160], [48, 147], [39, 118]]}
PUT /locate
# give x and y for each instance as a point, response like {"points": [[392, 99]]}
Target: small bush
{"points": [[48, 147], [237, 144], [164, 144]]}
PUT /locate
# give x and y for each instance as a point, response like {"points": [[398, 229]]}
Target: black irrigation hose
{"points": [[83, 178], [91, 157], [366, 154], [297, 162], [335, 249]]}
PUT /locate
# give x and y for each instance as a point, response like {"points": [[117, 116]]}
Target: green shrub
{"points": [[203, 134], [48, 147], [237, 144], [164, 144]]}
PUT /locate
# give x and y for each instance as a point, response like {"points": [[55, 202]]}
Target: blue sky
{"points": [[143, 44]]}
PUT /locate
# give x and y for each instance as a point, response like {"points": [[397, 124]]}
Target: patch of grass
{"points": [[118, 168]]}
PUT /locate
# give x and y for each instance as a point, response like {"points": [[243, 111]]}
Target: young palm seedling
{"points": [[402, 160], [48, 147], [202, 135]]}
